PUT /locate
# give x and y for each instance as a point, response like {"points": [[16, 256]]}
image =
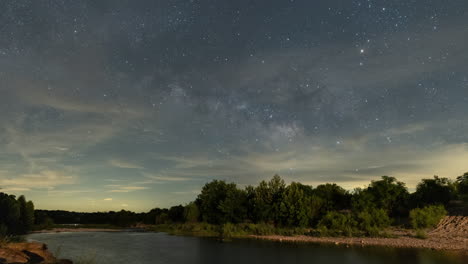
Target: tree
{"points": [[233, 206], [268, 197], [434, 191], [295, 208], [220, 202], [462, 186], [362, 200], [191, 213], [124, 218], [333, 196], [10, 214], [42, 220], [390, 195], [26, 218], [176, 214]]}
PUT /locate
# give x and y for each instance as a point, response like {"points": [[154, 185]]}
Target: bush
{"points": [[420, 234], [334, 223], [260, 229], [372, 221], [427, 217]]}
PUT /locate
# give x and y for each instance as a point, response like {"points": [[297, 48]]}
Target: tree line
{"points": [[326, 207], [301, 205], [16, 215]]}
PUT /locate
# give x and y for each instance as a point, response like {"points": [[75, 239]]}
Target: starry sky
{"points": [[109, 105]]}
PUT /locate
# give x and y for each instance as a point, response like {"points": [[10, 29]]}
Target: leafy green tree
{"points": [[434, 191], [209, 199], [251, 204], [10, 214], [333, 196], [162, 218], [124, 218], [176, 214], [390, 195], [42, 220], [268, 197], [295, 208], [462, 186], [220, 202], [233, 206], [191, 213], [26, 219], [362, 200], [316, 205]]}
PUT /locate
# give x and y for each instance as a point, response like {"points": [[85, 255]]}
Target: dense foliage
{"points": [[271, 206], [16, 215], [426, 217]]}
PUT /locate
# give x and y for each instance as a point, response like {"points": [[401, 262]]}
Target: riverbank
{"points": [[450, 234], [458, 244], [28, 253], [75, 230]]}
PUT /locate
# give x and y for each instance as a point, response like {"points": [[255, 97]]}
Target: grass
{"points": [[4, 240], [90, 226], [228, 230], [421, 234]]}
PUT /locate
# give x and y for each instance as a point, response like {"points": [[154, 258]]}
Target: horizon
{"points": [[110, 105], [351, 191]]}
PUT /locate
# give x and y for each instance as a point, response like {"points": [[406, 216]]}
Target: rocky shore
{"points": [[451, 234], [28, 253]]}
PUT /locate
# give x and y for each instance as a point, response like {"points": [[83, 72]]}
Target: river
{"points": [[160, 248]]}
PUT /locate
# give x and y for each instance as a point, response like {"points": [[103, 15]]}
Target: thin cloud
{"points": [[124, 164], [43, 179], [126, 189]]}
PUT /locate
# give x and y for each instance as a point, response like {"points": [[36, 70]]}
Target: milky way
{"points": [[136, 104]]}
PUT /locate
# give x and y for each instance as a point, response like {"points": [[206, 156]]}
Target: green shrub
{"points": [[372, 221], [260, 229], [420, 234], [427, 217], [229, 230], [334, 223]]}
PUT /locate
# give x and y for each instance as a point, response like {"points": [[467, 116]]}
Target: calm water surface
{"points": [[156, 248]]}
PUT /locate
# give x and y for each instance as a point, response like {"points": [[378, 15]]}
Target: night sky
{"points": [[109, 105]]}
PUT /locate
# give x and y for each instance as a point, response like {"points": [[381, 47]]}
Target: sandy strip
{"points": [[433, 242], [77, 230]]}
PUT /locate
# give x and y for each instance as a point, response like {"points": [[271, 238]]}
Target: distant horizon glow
{"points": [[110, 105]]}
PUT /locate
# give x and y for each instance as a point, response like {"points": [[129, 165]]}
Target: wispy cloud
{"points": [[160, 178], [43, 179], [126, 189], [124, 164]]}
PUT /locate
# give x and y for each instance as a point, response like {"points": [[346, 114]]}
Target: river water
{"points": [[159, 248]]}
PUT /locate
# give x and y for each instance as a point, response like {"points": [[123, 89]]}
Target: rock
{"points": [[28, 253], [12, 256], [37, 252]]}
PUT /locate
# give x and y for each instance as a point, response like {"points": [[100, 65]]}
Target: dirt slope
{"points": [[453, 226]]}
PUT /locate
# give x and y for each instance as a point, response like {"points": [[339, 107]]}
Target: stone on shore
{"points": [[28, 253]]}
